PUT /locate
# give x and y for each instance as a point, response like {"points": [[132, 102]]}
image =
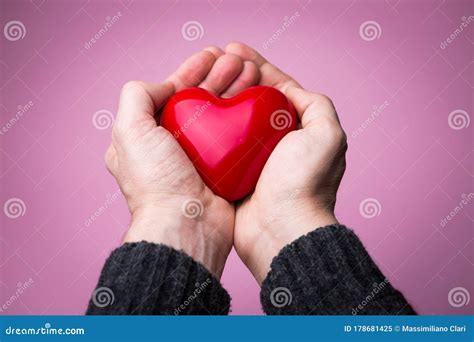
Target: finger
{"points": [[249, 77], [270, 74], [224, 71], [311, 107], [216, 51], [193, 71], [138, 103], [245, 52]]}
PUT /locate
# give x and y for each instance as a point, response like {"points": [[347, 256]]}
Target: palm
{"points": [[175, 174], [289, 163]]}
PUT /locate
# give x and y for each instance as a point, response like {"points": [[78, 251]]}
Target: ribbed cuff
{"points": [[152, 279], [329, 272]]}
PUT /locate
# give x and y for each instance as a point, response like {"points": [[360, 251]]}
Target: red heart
{"points": [[229, 140]]}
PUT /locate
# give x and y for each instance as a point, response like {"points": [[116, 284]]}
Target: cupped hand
{"points": [[168, 201], [296, 191]]}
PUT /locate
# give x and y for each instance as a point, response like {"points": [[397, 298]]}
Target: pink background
{"points": [[409, 158]]}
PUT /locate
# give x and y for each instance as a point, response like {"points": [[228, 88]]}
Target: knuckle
{"points": [[131, 86], [118, 130], [108, 157], [337, 136], [212, 48], [342, 136], [326, 123], [235, 45], [108, 153], [325, 100], [334, 133], [108, 165], [215, 50]]}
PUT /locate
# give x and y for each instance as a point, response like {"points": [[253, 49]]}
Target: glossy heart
{"points": [[229, 140]]}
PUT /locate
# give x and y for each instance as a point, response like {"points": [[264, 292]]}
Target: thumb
{"points": [[138, 103], [311, 107]]}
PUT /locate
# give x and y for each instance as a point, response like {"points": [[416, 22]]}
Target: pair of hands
{"points": [[296, 191]]}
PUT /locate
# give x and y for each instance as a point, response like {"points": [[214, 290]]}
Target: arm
{"points": [[329, 272], [143, 278]]}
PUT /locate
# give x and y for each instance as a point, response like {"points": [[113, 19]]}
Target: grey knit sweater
{"points": [[326, 272]]}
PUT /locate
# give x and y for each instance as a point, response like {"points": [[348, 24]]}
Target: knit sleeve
{"points": [[329, 272], [152, 279]]}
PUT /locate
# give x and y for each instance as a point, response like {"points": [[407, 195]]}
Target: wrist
{"points": [[280, 230], [181, 224]]}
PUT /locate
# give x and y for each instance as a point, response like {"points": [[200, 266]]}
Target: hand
{"points": [[296, 191], [168, 201]]}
